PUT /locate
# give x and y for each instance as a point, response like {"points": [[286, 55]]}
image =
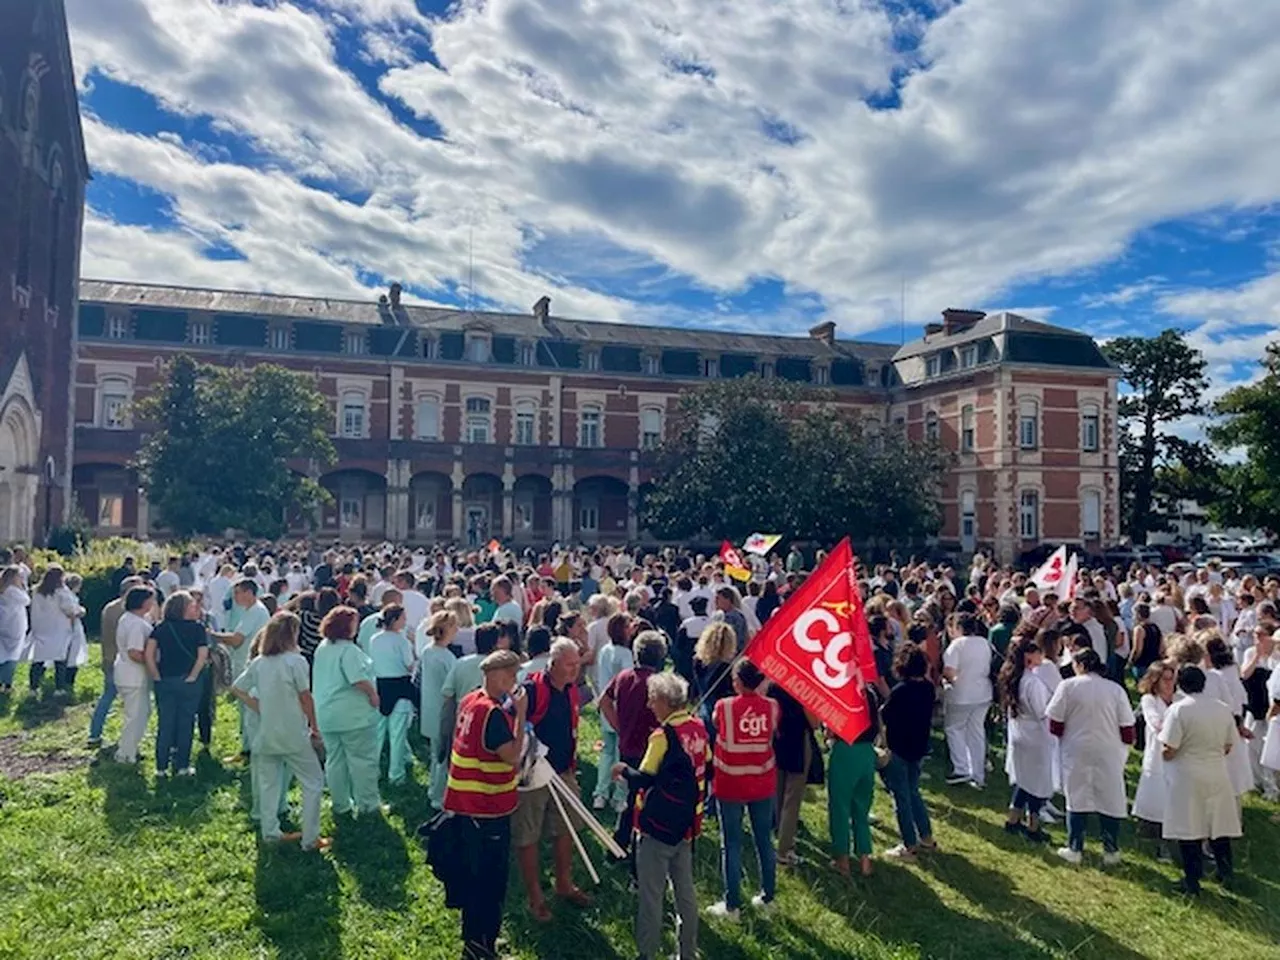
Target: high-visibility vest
{"points": [[746, 766], [481, 783]]}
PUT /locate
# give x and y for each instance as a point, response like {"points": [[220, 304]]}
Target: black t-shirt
{"points": [[555, 730], [908, 718], [792, 733], [178, 643], [497, 731]]}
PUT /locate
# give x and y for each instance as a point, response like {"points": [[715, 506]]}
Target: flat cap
{"points": [[500, 660]]}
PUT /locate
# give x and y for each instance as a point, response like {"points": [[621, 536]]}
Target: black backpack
{"points": [[671, 801]]}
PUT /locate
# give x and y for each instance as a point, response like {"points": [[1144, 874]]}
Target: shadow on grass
{"points": [[130, 802], [297, 899], [46, 706], [377, 857]]}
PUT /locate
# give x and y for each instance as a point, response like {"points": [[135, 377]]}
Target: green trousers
{"points": [[851, 782]]}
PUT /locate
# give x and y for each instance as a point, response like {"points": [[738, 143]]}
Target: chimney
{"points": [[825, 331], [542, 310], [395, 296], [932, 330], [958, 321]]}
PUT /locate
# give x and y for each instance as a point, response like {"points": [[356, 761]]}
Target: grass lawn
{"points": [[104, 862]]}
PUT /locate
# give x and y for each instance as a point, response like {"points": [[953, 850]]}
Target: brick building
{"points": [[42, 178], [453, 425]]}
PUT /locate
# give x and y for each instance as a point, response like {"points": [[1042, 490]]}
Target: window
{"points": [[528, 354], [430, 348], [932, 429], [650, 428], [526, 423], [198, 333], [110, 510], [968, 516], [933, 366], [115, 404], [1091, 515], [353, 342], [279, 338], [822, 374], [589, 518], [969, 356], [652, 364], [966, 428], [1028, 425], [117, 327], [478, 349], [1029, 515], [353, 415], [350, 512], [426, 421], [710, 367], [591, 360], [589, 427], [1089, 429], [766, 371], [478, 416], [524, 514], [425, 515]]}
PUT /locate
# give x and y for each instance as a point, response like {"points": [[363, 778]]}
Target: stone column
{"points": [[144, 515], [459, 478], [633, 499], [508, 502], [397, 506]]}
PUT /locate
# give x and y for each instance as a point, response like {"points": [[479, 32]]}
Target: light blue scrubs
{"points": [[437, 662], [368, 627], [246, 621], [393, 657], [349, 724]]}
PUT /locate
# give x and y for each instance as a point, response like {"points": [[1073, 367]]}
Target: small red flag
{"points": [[817, 646], [733, 564]]}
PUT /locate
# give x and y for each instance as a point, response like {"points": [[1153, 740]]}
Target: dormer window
{"points": [[279, 338], [652, 365], [969, 356], [933, 366], [766, 371], [478, 347], [198, 333], [430, 348], [117, 327], [591, 360], [822, 375], [710, 367], [528, 354], [353, 342]]}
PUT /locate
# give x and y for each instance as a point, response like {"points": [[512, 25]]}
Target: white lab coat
{"points": [[1271, 743], [1029, 761], [53, 626], [13, 622], [1224, 684], [1051, 677], [1150, 799], [1201, 802], [1092, 710]]}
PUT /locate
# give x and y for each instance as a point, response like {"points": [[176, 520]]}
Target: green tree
{"points": [[750, 454], [1167, 381], [218, 443], [1251, 423]]}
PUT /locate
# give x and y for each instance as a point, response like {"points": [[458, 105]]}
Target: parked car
{"points": [[1214, 542], [1259, 564], [1127, 556]]}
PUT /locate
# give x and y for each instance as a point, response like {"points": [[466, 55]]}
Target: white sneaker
{"points": [[721, 911], [1111, 859], [1073, 857], [1046, 817], [620, 805], [1053, 811], [598, 803], [761, 904], [186, 772], [900, 852]]}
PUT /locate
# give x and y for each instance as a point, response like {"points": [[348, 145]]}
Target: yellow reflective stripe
{"points": [[745, 769], [478, 786], [484, 766]]}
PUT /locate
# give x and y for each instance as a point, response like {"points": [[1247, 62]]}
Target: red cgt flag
{"points": [[733, 564], [817, 646]]}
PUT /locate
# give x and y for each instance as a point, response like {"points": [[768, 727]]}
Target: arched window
{"points": [[1029, 515], [526, 423], [116, 394], [650, 428], [967, 435], [426, 417], [1090, 436], [589, 427], [352, 415], [1028, 424], [479, 426]]}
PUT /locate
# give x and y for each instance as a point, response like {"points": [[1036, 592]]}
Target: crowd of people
{"points": [[329, 656]]}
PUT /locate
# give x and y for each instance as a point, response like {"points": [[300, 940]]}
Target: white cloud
{"points": [[725, 140]]}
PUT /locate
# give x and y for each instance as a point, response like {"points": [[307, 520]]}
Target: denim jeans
{"points": [[761, 814], [902, 777], [176, 702], [605, 784], [64, 676], [6, 672], [1077, 824], [104, 704], [1022, 800]]}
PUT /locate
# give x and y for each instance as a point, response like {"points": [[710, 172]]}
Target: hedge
{"points": [[96, 564]]}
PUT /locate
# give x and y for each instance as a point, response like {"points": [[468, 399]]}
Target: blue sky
{"points": [[754, 164]]}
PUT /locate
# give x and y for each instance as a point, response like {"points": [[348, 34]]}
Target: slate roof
{"points": [[520, 326], [1026, 341]]}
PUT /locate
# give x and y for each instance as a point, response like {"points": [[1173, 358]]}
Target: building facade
{"points": [[42, 179], [460, 426]]}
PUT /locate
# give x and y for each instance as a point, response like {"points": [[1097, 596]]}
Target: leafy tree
{"points": [[1251, 494], [749, 454], [1166, 377], [218, 444]]}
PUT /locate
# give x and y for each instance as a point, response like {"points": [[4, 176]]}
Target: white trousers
{"points": [[966, 730], [270, 772], [137, 711]]}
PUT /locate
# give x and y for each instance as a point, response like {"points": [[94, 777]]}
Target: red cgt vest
{"points": [[480, 783], [746, 768], [542, 703]]}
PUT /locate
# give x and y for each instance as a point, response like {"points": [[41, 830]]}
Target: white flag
{"points": [[1049, 577]]}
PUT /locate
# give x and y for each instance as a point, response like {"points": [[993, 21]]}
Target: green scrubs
{"points": [[349, 724]]}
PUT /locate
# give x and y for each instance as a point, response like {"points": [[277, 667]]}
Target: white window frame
{"points": [[933, 366], [477, 419], [822, 374], [478, 348], [652, 364], [528, 354], [1087, 497], [766, 371], [199, 333], [1028, 425], [110, 507], [524, 423], [651, 433], [968, 428], [278, 338], [426, 427], [932, 426], [1029, 515], [969, 356], [117, 326], [589, 518], [522, 512], [591, 427], [430, 348], [353, 415], [1090, 429], [115, 395], [591, 360], [425, 512], [356, 512], [355, 342], [969, 514], [711, 367]]}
